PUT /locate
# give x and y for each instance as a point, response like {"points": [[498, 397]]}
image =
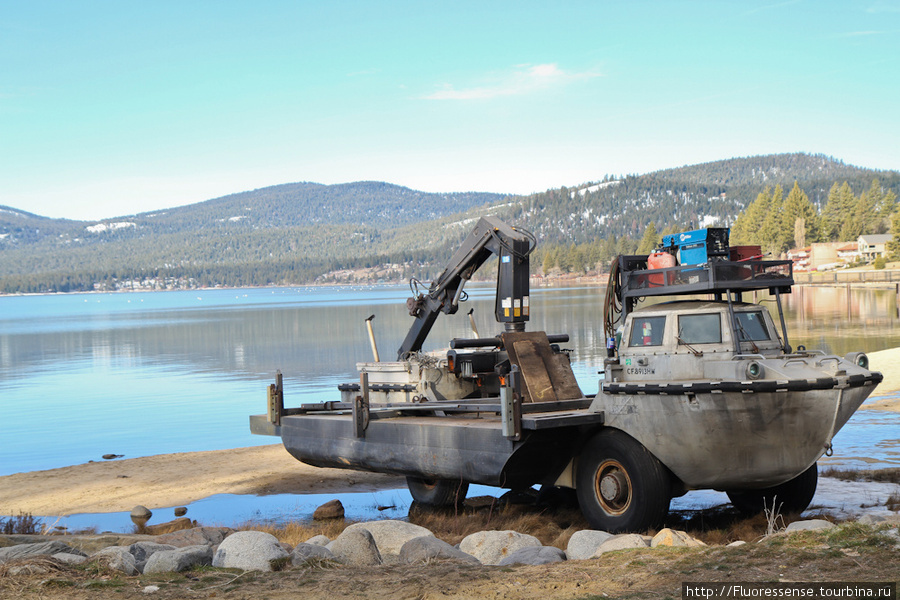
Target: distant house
{"points": [[872, 246], [800, 257], [848, 252]]}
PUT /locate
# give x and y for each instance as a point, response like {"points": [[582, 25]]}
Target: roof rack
{"points": [[636, 280], [631, 280]]}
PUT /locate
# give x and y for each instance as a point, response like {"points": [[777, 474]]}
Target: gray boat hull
{"points": [[734, 440]]}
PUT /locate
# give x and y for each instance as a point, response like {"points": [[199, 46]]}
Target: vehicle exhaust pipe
{"points": [[472, 322], [372, 338]]}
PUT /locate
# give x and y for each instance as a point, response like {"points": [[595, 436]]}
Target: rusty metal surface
{"points": [[548, 375]]}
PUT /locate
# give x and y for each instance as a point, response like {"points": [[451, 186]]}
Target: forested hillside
{"points": [[586, 227], [305, 232]]}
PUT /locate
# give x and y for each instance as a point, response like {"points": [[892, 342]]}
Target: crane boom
{"points": [[490, 236]]}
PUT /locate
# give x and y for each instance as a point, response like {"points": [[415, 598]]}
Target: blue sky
{"points": [[112, 108]]}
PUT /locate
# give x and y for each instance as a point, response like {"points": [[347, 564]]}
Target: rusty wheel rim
{"points": [[612, 486]]}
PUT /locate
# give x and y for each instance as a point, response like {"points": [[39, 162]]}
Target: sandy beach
{"points": [[175, 479]]}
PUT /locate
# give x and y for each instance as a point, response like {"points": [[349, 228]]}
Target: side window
{"points": [[752, 326], [647, 331], [700, 329]]}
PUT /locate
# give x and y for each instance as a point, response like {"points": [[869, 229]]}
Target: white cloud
{"points": [[521, 79]]}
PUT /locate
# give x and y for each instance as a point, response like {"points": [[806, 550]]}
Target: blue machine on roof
{"points": [[699, 246]]}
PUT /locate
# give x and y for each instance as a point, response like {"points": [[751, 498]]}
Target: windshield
{"points": [[647, 331], [752, 326], [700, 329]]}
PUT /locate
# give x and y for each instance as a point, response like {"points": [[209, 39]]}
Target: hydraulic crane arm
{"points": [[490, 236]]}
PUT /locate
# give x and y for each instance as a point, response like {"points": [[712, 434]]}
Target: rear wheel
{"points": [[437, 492], [620, 485], [791, 496]]}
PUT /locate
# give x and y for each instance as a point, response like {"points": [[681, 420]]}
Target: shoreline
{"points": [[165, 480], [182, 478], [540, 281]]}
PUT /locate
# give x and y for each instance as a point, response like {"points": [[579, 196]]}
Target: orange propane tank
{"points": [[660, 260]]}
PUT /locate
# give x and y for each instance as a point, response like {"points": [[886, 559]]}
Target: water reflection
{"points": [[149, 373], [843, 319]]}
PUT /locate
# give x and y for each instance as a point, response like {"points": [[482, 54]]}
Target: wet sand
{"points": [[175, 479]]}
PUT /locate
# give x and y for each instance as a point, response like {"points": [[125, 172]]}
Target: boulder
{"points": [[621, 542], [673, 537], [428, 548], [117, 558], [318, 540], [809, 525], [179, 559], [874, 518], [250, 551], [333, 509], [584, 543], [356, 547], [391, 535], [196, 536], [70, 559], [490, 547], [36, 549], [169, 526], [89, 544], [534, 555], [304, 553], [141, 551], [140, 515], [180, 511]]}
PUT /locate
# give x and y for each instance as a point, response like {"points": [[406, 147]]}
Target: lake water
{"points": [[153, 373]]}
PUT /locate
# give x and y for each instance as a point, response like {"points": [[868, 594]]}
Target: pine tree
{"points": [[881, 204], [770, 231], [850, 225], [649, 241], [830, 222], [746, 228], [893, 246], [799, 220]]}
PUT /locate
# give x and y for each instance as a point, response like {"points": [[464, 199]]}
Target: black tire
{"points": [[621, 487], [792, 496], [437, 492]]}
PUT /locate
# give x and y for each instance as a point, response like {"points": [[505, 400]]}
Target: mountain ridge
{"points": [[294, 233]]}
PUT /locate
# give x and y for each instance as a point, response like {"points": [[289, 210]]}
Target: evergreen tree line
{"points": [[778, 224], [771, 221]]}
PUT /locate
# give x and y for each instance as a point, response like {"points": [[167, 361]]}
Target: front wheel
{"points": [[437, 492], [621, 487], [791, 496]]}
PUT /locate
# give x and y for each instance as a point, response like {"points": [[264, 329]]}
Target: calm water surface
{"points": [[153, 373]]}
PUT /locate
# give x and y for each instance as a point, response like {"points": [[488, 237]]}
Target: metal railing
{"points": [[840, 276]]}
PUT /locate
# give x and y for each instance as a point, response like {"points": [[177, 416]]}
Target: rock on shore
{"points": [[372, 543]]}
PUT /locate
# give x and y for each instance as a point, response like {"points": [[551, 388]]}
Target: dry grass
{"points": [[299, 531], [23, 523], [552, 526], [893, 501], [880, 475]]}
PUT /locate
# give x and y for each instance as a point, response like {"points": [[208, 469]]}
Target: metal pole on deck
{"points": [[372, 338], [472, 322]]}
